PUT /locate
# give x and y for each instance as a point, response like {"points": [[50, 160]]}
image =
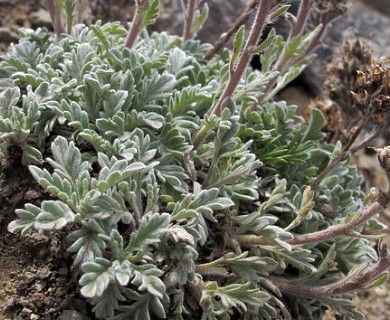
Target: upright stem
{"points": [[189, 19], [54, 15], [136, 26], [233, 28], [58, 20], [342, 155], [297, 29], [256, 31], [52, 9]]}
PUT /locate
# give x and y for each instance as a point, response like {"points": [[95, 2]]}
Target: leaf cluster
{"points": [[157, 193]]}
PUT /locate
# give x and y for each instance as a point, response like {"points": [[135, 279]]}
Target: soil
{"points": [[36, 281], [35, 278]]}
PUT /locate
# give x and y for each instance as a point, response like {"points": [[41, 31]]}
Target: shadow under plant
{"points": [[174, 183]]}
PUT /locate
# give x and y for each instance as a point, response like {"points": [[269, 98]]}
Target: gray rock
{"points": [[222, 14], [7, 35], [72, 315], [41, 18]]}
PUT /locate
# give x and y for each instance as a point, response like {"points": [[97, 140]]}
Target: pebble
{"points": [[72, 315], [7, 35], [40, 18]]}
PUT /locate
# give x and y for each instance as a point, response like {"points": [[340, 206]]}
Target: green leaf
{"points": [[151, 12], [87, 242], [279, 11], [67, 160], [122, 271], [252, 267], [149, 232], [96, 278], [26, 219], [313, 130], [237, 47], [378, 280], [147, 278], [54, 215], [237, 295], [31, 155], [142, 307], [106, 304], [157, 87], [200, 18], [8, 99]]}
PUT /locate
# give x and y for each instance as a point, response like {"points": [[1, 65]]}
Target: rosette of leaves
{"points": [[174, 212]]}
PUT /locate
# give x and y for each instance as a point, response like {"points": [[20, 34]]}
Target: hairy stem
{"points": [[330, 233], [233, 28], [342, 155], [378, 130], [296, 30], [55, 15], [136, 26], [350, 283], [52, 10], [256, 31], [189, 19], [58, 17], [339, 229]]}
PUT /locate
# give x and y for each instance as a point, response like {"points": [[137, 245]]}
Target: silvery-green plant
{"points": [[187, 192]]}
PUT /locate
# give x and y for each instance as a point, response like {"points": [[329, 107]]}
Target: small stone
{"points": [[60, 292], [31, 195], [72, 315], [41, 18], [34, 317], [7, 35], [63, 271], [25, 312], [11, 303]]}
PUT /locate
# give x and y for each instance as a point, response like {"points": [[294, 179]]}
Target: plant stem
{"points": [[58, 14], [52, 9], [256, 31], [296, 29], [323, 235], [342, 155], [136, 26], [189, 19], [55, 15], [348, 284], [233, 28], [378, 130], [339, 229]]}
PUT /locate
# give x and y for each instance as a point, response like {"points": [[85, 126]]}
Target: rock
{"points": [[72, 315], [25, 313], [378, 5], [11, 302], [40, 18], [7, 35], [222, 14]]}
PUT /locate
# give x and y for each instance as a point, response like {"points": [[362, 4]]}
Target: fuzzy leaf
{"points": [[149, 232], [200, 18], [26, 219], [237, 47], [54, 215], [96, 278], [147, 277]]}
